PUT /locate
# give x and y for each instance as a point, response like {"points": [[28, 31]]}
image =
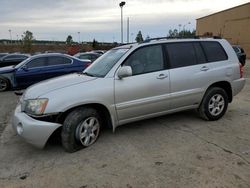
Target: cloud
{"points": [[56, 18]]}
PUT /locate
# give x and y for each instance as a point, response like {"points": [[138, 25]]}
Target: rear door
{"points": [[146, 92], [56, 66], [189, 73]]}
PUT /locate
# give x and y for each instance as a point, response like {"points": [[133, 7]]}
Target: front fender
{"points": [[10, 77]]}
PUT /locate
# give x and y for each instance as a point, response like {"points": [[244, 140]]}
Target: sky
{"points": [[85, 20]]}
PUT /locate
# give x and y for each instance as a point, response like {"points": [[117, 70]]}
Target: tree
{"points": [[173, 33], [187, 34], [94, 44], [27, 39], [69, 40], [139, 37]]}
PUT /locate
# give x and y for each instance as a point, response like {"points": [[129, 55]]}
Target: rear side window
{"points": [[181, 54], [214, 51], [57, 60]]}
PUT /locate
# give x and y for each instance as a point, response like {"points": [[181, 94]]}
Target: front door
{"points": [[146, 92], [31, 72]]}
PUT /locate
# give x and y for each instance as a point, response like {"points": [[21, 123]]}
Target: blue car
{"points": [[38, 68]]}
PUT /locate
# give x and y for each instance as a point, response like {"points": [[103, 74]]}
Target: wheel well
{"points": [[101, 109], [226, 86]]}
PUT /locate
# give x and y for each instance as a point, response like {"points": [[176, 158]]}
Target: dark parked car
{"points": [[240, 53], [12, 59], [88, 55], [3, 54], [38, 68]]}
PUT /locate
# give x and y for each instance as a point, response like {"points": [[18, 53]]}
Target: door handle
{"points": [[204, 68], [162, 76]]}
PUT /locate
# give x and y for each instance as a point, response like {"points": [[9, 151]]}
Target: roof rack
{"points": [[195, 37]]}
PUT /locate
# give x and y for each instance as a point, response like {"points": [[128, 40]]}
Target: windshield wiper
{"points": [[88, 74]]}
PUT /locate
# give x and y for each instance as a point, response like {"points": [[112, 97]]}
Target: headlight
{"points": [[35, 106]]}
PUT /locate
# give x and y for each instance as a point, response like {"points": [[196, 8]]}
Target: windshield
{"points": [[22, 63], [105, 63]]}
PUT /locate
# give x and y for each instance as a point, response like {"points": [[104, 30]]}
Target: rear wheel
{"points": [[81, 129], [214, 104], [4, 84]]}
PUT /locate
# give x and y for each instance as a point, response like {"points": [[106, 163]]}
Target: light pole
{"points": [[179, 29], [184, 28], [121, 5], [78, 37], [131, 36], [10, 36]]}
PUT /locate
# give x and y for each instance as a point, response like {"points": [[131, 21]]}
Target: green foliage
{"points": [[139, 37], [27, 39], [95, 44], [69, 40], [182, 34], [173, 33]]}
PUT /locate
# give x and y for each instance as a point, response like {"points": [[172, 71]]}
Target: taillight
{"points": [[87, 64], [241, 70]]}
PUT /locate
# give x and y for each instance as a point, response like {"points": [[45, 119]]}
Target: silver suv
{"points": [[131, 83]]}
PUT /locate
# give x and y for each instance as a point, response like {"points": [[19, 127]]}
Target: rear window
{"points": [[214, 51]]}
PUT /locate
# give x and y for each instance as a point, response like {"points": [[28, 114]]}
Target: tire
{"points": [[214, 104], [4, 84], [81, 129]]}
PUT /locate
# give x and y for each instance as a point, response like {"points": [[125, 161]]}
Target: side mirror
{"points": [[124, 71]]}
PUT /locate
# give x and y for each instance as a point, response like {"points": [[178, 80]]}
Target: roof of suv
{"points": [[164, 40]]}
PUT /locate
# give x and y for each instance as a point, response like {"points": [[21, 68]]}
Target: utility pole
{"points": [[128, 30], [10, 36], [78, 37], [121, 5]]}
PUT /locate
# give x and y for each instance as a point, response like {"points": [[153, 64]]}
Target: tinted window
{"points": [[21, 56], [214, 51], [14, 57], [236, 49], [10, 57], [85, 56], [57, 60], [181, 54], [38, 62], [200, 56], [147, 59]]}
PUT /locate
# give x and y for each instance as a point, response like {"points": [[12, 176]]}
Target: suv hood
{"points": [[53, 84], [7, 69]]}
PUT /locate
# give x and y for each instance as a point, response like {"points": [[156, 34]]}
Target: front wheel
{"points": [[4, 84], [81, 129], [214, 104]]}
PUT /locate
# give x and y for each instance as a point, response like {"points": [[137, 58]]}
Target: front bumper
{"points": [[238, 85], [31, 130]]}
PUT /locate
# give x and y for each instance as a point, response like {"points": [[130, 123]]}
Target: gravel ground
{"points": [[178, 150]]}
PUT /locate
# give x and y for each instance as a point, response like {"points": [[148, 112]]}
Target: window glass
{"points": [[181, 54], [200, 56], [10, 57], [104, 64], [20, 57], [57, 60], [146, 59], [38, 62], [15, 57], [85, 56], [214, 51]]}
